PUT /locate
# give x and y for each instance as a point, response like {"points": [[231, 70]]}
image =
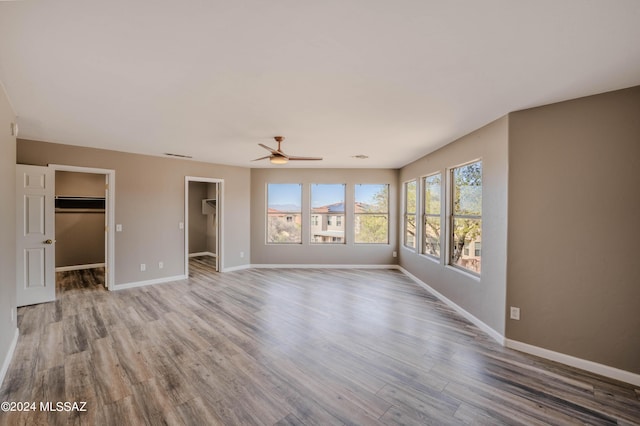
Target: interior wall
{"points": [[8, 327], [574, 201], [149, 204], [80, 236], [305, 253], [212, 220], [483, 297], [197, 220]]}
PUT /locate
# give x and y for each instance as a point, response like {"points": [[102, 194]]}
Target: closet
{"points": [[79, 220], [203, 220]]}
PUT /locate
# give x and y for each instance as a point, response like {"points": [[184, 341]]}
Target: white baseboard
{"points": [[8, 357], [203, 253], [236, 268], [305, 266], [79, 267], [148, 282], [583, 364], [475, 321], [319, 266]]}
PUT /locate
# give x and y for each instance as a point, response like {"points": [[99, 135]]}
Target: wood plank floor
{"points": [[285, 347]]}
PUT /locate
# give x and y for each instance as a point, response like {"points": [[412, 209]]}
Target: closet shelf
{"points": [[75, 204]]}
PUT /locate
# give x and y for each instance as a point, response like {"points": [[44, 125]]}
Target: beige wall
{"points": [[149, 203], [197, 221], [483, 297], [574, 207], [75, 184], [305, 253], [7, 227], [79, 235], [79, 239]]}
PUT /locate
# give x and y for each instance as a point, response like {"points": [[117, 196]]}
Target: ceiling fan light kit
{"points": [[278, 160], [279, 157]]}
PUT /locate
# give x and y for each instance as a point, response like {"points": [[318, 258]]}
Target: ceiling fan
{"points": [[279, 157]]}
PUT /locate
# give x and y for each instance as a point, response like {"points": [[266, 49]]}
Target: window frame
{"points": [[406, 215], [288, 213], [385, 213], [329, 220], [453, 217], [438, 215]]}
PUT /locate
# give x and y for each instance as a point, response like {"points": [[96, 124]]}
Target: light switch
{"points": [[119, 227]]}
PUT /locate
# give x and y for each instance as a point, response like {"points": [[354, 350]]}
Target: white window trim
{"points": [[266, 213], [439, 259], [404, 216], [387, 213], [449, 224]]}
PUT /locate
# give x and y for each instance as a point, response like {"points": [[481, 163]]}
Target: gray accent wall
{"points": [[484, 296], [574, 239], [8, 326], [310, 254], [149, 203]]}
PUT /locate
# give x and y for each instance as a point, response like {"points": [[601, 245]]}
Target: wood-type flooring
{"points": [[285, 347]]}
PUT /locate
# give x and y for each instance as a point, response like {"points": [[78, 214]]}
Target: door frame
{"points": [[219, 218], [110, 200]]}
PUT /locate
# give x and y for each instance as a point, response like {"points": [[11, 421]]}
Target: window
{"points": [[284, 213], [371, 214], [410, 214], [432, 225], [327, 200], [314, 220], [466, 212]]}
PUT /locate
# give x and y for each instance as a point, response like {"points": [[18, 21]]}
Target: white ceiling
{"points": [[390, 79]]}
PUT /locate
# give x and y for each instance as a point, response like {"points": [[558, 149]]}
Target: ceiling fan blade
{"points": [[262, 158], [291, 157], [271, 150]]}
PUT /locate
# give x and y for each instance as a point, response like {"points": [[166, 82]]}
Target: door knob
{"points": [[49, 241]]}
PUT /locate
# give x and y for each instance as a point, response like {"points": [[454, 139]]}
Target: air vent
{"points": [[177, 155]]}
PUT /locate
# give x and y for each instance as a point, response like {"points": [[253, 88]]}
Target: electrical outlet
{"points": [[181, 225], [515, 313], [160, 265], [241, 255], [143, 267], [395, 254]]}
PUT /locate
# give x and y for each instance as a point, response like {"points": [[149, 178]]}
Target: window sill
{"points": [[472, 275], [412, 250], [436, 260]]}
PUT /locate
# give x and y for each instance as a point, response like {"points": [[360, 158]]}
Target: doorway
{"points": [[203, 221], [84, 222]]}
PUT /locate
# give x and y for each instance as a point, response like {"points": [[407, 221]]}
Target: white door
{"points": [[35, 236]]}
